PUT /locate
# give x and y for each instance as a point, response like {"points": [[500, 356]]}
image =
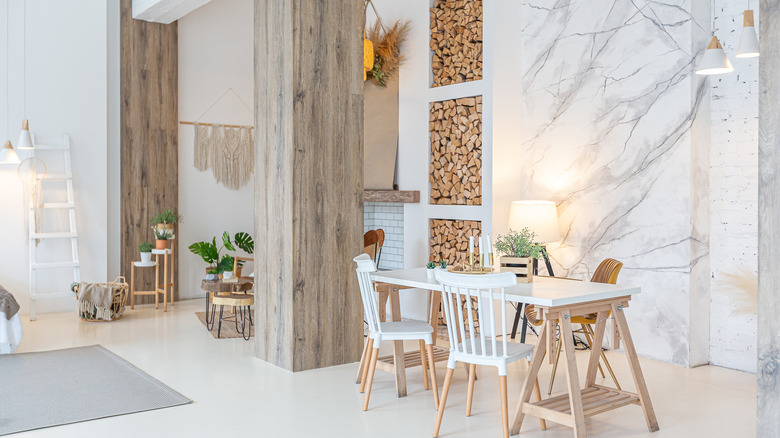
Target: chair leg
{"points": [[424, 365], [363, 357], [370, 348], [432, 369], [606, 362], [370, 381], [219, 328], [555, 365], [470, 395], [589, 340], [504, 406], [443, 401]]}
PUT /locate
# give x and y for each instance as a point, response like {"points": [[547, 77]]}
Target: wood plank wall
{"points": [[768, 373], [309, 181], [149, 146]]}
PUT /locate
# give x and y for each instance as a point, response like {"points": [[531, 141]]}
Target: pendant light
{"points": [[748, 41], [714, 61], [7, 153], [25, 140]]}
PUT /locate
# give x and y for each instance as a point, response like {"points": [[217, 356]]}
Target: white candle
{"points": [[471, 244], [488, 251], [481, 251]]}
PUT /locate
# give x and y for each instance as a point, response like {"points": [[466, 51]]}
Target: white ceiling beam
{"points": [[164, 11]]}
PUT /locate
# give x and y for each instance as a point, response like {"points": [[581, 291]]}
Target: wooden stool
{"points": [[155, 292], [242, 305], [165, 286]]}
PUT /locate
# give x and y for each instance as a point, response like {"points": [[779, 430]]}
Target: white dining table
{"points": [[556, 299]]}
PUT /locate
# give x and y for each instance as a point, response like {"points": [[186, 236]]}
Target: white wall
{"points": [[66, 94], [215, 53], [734, 194]]}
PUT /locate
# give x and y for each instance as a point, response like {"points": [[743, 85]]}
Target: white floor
{"points": [[235, 393]]}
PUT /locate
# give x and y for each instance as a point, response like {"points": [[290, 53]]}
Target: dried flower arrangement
{"points": [[387, 50]]}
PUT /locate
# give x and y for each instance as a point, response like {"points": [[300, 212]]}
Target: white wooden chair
{"points": [[487, 346], [388, 331]]}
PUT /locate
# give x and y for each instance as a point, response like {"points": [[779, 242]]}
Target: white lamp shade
{"points": [[25, 140], [748, 43], [714, 61], [541, 217], [8, 154]]}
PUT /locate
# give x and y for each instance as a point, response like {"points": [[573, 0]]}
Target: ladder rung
{"points": [[57, 205], [39, 296], [51, 147], [57, 177], [53, 235], [54, 265]]}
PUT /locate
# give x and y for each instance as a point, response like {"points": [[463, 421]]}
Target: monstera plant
{"points": [[211, 252]]}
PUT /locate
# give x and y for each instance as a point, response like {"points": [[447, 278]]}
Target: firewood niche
{"points": [[455, 128], [456, 41], [449, 239]]}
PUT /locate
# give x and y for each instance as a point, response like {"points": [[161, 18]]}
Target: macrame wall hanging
{"points": [[227, 150]]}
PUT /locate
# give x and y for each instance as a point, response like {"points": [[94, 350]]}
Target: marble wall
{"points": [[614, 128]]}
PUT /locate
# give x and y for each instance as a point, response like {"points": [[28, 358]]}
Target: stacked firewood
{"points": [[449, 239], [455, 169], [456, 41]]}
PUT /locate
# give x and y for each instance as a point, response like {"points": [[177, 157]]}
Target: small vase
{"points": [[227, 275], [146, 257], [160, 244], [211, 277], [431, 274]]}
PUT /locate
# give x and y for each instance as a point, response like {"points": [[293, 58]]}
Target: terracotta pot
{"points": [[161, 244]]}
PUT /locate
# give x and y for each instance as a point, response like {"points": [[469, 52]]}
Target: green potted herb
{"points": [[166, 220], [518, 251], [145, 249], [430, 267], [212, 274], [161, 237]]}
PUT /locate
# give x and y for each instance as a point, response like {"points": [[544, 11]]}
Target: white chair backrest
{"points": [[365, 266], [457, 288]]}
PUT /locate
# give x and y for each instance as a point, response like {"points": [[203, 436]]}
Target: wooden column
{"points": [[769, 222], [309, 181], [149, 117]]}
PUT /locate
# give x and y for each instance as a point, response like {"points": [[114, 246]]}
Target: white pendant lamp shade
{"points": [[714, 61], [8, 154], [25, 141], [541, 217], [748, 41]]}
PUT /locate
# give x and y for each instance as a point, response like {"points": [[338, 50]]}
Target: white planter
{"points": [[227, 275], [146, 257], [212, 277], [431, 274]]}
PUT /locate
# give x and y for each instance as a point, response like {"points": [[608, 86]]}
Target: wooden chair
{"points": [[481, 347], [606, 272], [389, 331], [372, 244]]}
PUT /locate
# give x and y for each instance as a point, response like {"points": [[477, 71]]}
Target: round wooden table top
{"points": [[220, 286]]}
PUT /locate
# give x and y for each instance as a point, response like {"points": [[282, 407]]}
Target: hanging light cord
{"points": [[24, 60], [7, 22]]}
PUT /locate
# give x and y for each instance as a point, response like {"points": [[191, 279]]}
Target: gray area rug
{"points": [[76, 384]]}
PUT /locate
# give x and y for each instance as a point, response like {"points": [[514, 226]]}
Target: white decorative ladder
{"points": [[71, 234]]}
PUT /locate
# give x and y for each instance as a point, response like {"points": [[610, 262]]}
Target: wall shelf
{"points": [[396, 196]]}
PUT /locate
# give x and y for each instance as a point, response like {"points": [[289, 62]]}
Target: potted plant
{"points": [[212, 254], [430, 267], [161, 237], [212, 274], [166, 220], [518, 251], [145, 249]]}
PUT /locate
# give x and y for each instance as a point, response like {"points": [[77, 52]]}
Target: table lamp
{"points": [[541, 217]]}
